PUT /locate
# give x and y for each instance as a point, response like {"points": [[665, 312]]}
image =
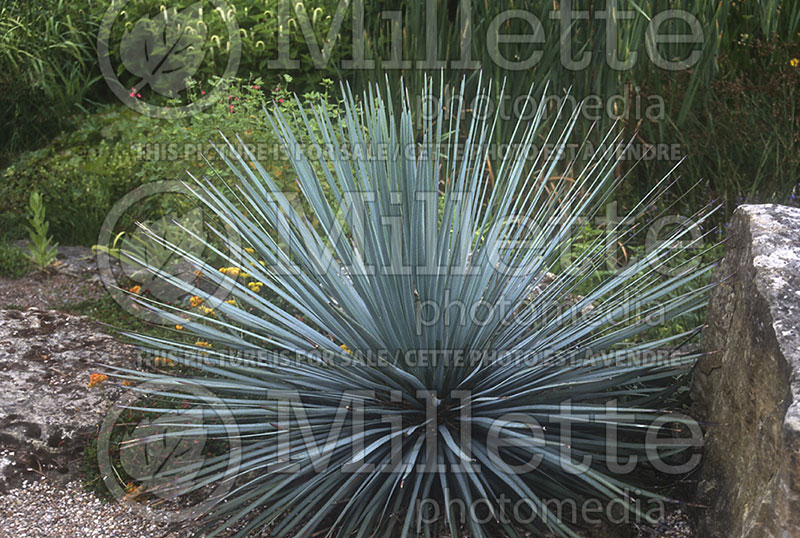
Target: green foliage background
{"points": [[735, 113]]}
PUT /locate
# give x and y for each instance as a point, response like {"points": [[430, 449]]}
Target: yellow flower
{"points": [[250, 250], [794, 62], [346, 349], [97, 379], [195, 301], [135, 289], [202, 343], [255, 286], [207, 311], [232, 272], [231, 301], [179, 327]]}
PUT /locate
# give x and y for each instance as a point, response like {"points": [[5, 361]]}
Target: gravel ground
{"points": [[40, 509], [676, 524]]}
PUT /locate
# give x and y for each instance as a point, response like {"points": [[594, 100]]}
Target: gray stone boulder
{"points": [[747, 389], [48, 412]]}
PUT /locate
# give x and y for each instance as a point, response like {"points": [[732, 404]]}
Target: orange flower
{"points": [[164, 361], [195, 301], [135, 289], [127, 383], [201, 343], [133, 492], [96, 379], [179, 327]]}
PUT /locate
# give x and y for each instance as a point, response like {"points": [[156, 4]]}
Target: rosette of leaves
{"points": [[353, 375]]}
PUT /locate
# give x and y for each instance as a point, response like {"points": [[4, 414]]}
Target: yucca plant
{"points": [[363, 392]]}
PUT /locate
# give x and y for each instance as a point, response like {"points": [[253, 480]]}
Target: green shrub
{"points": [[13, 261], [79, 181], [82, 174]]}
